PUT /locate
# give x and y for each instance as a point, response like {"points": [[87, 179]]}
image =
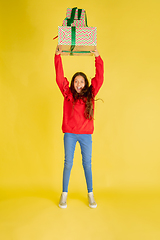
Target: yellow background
{"points": [[126, 155]]}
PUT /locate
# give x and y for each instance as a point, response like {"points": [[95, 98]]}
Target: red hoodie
{"points": [[74, 120]]}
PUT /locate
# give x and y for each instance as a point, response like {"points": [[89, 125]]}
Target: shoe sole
{"points": [[62, 206], [94, 206]]}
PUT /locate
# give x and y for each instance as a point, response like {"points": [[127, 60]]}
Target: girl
{"points": [[78, 116]]}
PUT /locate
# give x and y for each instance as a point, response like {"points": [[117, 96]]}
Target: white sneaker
{"points": [[63, 200], [92, 203]]}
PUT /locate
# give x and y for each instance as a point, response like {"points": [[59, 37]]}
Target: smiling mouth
{"points": [[79, 88]]}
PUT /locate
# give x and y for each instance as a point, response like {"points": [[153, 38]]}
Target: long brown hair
{"points": [[86, 95]]}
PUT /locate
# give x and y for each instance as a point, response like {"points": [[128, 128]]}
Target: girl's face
{"points": [[79, 83]]}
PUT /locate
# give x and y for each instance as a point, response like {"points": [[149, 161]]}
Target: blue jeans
{"points": [[85, 141]]}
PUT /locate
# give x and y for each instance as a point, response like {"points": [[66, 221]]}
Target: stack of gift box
{"points": [[74, 36]]}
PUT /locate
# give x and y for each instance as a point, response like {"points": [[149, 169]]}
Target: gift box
{"points": [[77, 41], [75, 17], [79, 13], [76, 23]]}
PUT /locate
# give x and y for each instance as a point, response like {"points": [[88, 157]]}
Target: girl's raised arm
{"points": [[62, 82], [95, 52], [97, 81], [58, 50]]}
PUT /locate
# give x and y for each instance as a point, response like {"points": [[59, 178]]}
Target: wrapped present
{"points": [[76, 23], [75, 37], [75, 17], [77, 41], [79, 13]]}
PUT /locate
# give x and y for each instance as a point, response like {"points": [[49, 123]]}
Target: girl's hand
{"points": [[58, 50], [95, 52]]}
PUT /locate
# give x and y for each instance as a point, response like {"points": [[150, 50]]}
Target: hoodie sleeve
{"points": [[62, 81], [97, 81]]}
